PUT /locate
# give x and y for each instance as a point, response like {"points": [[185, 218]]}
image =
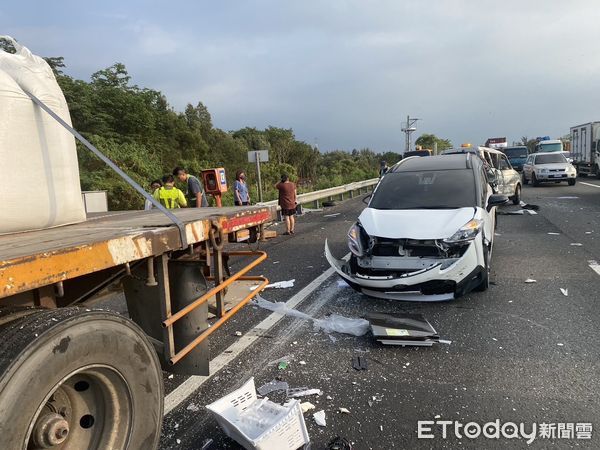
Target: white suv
{"points": [[548, 167]]}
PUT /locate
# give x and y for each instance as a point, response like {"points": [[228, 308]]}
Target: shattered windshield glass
{"points": [[437, 189]]}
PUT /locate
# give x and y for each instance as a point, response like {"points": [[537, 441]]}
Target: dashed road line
{"points": [[191, 385], [594, 266], [590, 184]]}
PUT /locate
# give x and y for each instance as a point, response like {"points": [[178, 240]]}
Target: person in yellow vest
{"points": [[168, 195]]}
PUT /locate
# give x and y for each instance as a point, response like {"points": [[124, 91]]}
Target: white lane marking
{"points": [[590, 184], [594, 266], [191, 385]]}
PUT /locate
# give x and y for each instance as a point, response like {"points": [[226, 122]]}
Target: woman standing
{"points": [[287, 202], [241, 196]]}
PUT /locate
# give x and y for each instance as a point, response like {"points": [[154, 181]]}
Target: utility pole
{"points": [[408, 128]]}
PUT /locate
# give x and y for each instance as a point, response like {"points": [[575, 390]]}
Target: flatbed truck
{"points": [[75, 377]]}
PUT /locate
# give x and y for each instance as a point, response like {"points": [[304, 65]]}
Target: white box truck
{"points": [[585, 147]]}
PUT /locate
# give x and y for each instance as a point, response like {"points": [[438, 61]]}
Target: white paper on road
{"points": [[551, 233], [277, 285], [530, 280], [565, 292], [320, 418], [576, 244]]}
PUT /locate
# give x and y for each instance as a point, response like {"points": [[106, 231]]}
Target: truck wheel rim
{"points": [[90, 408]]}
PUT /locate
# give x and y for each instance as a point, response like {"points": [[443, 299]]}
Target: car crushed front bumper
{"points": [[430, 279]]}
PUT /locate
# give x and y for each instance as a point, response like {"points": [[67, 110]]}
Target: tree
{"points": [[56, 63], [428, 141], [114, 76]]}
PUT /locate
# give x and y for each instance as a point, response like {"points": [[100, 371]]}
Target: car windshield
{"points": [[516, 152], [548, 148], [550, 159], [436, 189]]}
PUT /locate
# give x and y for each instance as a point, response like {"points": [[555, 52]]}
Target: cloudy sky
{"points": [[343, 73]]}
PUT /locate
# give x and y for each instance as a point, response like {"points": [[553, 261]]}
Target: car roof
{"points": [[440, 162], [547, 153], [475, 149]]}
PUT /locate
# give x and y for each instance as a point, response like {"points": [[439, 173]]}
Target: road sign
{"points": [[263, 156]]}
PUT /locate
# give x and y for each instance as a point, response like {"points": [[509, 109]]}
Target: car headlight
{"points": [[466, 233], [543, 170], [356, 240]]}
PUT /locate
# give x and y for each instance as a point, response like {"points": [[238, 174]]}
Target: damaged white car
{"points": [[427, 232]]}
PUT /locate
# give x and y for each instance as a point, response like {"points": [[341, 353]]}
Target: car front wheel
{"points": [[525, 180], [572, 182], [485, 274], [516, 199], [534, 180]]}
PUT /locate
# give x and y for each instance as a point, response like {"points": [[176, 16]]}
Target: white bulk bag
{"points": [[39, 174]]}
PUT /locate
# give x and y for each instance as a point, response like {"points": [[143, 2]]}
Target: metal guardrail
{"points": [[330, 192]]}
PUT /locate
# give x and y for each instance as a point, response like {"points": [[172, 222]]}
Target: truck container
{"points": [[585, 148]]}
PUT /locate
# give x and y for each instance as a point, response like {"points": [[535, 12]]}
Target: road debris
{"points": [[301, 392], [402, 329], [170, 377], [560, 344], [334, 322], [576, 244], [238, 333], [339, 443], [281, 284], [260, 423], [320, 418], [282, 365], [302, 363], [307, 406], [342, 284], [360, 363], [343, 411], [530, 280], [206, 444], [282, 359], [551, 233], [272, 386], [565, 292], [193, 408]]}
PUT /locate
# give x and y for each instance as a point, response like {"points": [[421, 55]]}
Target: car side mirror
{"points": [[496, 200], [366, 198]]}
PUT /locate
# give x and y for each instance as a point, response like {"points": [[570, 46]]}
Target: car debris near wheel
{"points": [[427, 233]]}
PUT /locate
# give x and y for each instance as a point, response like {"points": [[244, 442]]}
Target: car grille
{"points": [[557, 170]]}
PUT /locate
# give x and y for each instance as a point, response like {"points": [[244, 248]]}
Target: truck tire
{"points": [[78, 379]]}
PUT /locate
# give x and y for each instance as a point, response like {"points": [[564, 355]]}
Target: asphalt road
{"points": [[522, 353]]}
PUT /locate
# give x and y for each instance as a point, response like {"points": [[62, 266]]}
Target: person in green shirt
{"points": [[168, 195]]}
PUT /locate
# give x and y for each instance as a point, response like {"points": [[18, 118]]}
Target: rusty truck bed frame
{"points": [[36, 267]]}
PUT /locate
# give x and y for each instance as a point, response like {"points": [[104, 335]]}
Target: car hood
{"points": [[553, 166], [414, 223]]}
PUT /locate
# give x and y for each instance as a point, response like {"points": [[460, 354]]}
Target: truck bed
{"points": [[38, 258]]}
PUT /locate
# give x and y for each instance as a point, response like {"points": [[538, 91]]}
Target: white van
{"points": [[502, 177]]}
